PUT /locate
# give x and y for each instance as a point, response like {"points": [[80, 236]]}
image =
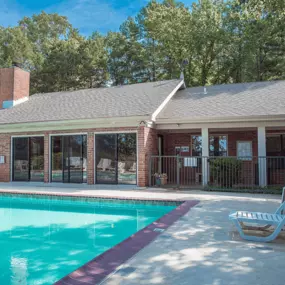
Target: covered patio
{"points": [[227, 156]]}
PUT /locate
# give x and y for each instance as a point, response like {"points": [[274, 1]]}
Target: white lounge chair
{"points": [[121, 167], [133, 167], [263, 220], [104, 164]]}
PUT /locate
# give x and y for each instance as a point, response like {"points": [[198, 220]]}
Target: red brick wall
{"points": [[21, 83], [14, 84], [90, 158], [147, 145], [5, 150], [6, 85], [184, 139]]}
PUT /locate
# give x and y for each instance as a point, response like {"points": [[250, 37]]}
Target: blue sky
{"points": [[86, 15]]}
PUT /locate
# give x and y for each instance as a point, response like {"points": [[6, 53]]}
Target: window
{"points": [[244, 150], [196, 146], [275, 145], [218, 145]]}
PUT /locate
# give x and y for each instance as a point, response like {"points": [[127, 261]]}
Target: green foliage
{"points": [[225, 171], [212, 42]]}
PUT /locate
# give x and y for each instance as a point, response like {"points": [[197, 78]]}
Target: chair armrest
{"points": [[280, 209]]}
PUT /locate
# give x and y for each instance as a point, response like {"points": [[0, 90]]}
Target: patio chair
{"points": [[264, 220], [104, 164], [133, 168], [121, 167]]}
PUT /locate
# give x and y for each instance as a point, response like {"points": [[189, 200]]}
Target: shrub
{"points": [[225, 171]]}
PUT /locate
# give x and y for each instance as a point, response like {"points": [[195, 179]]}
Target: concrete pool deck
{"points": [[202, 247]]}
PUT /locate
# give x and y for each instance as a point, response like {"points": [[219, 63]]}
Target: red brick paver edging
{"points": [[96, 270]]}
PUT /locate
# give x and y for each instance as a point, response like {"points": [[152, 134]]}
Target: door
{"points": [[106, 158], [28, 159], [69, 159], [116, 158], [21, 159]]}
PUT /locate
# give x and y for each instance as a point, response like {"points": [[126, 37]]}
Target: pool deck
{"points": [[202, 247]]}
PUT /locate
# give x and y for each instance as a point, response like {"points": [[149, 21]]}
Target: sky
{"points": [[86, 15]]}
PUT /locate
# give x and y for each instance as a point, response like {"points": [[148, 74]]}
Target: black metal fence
{"points": [[217, 172]]}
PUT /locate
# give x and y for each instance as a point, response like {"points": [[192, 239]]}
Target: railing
{"points": [[217, 172]]}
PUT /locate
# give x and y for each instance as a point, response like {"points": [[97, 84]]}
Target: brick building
{"points": [[122, 135]]}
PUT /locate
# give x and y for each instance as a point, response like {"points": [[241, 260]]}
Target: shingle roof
{"points": [[124, 101], [230, 100]]}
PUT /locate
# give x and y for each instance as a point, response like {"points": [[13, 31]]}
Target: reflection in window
{"points": [[28, 159], [218, 145], [69, 159], [196, 146]]}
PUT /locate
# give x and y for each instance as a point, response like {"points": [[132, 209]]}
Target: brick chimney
{"points": [[14, 86]]}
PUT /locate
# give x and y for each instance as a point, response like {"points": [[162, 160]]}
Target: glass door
{"points": [[116, 158], [75, 159], [28, 159], [69, 159], [36, 158], [21, 159], [106, 158], [127, 159]]}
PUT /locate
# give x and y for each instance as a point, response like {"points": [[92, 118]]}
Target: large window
{"points": [[69, 159], [116, 159], [28, 159], [218, 145], [275, 145]]}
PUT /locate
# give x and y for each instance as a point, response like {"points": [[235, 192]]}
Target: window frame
{"points": [[244, 158]]}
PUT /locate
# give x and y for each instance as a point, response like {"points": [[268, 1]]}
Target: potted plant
{"points": [[160, 179]]}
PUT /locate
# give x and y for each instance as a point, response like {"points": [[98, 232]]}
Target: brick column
{"points": [[5, 150], [147, 146], [90, 158], [46, 157]]}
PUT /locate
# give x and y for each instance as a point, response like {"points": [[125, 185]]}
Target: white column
{"points": [[205, 154], [262, 169]]}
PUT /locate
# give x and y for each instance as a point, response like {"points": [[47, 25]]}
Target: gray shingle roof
{"points": [[125, 101], [230, 100]]}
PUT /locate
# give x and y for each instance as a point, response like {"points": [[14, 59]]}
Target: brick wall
{"points": [[147, 145], [21, 83], [5, 150], [6, 85], [14, 84], [184, 139]]}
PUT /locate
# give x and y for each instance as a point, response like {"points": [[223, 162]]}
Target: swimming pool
{"points": [[42, 239]]}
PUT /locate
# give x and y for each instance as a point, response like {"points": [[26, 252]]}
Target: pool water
{"points": [[42, 239]]}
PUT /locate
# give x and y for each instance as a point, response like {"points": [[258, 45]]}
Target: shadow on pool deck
{"points": [[204, 248]]}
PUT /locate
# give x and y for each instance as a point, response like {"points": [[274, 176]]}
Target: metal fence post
{"points": [[150, 170], [178, 170]]}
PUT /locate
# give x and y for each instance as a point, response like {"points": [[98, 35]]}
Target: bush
{"points": [[225, 171]]}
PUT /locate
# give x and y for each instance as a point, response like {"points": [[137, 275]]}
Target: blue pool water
{"points": [[42, 240]]}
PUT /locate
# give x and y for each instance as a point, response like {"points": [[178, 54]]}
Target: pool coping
{"points": [[99, 268]]}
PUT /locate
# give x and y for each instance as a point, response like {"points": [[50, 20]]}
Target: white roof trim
{"points": [[166, 100], [84, 124]]}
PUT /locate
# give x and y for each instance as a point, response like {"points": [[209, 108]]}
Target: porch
{"points": [[220, 158]]}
